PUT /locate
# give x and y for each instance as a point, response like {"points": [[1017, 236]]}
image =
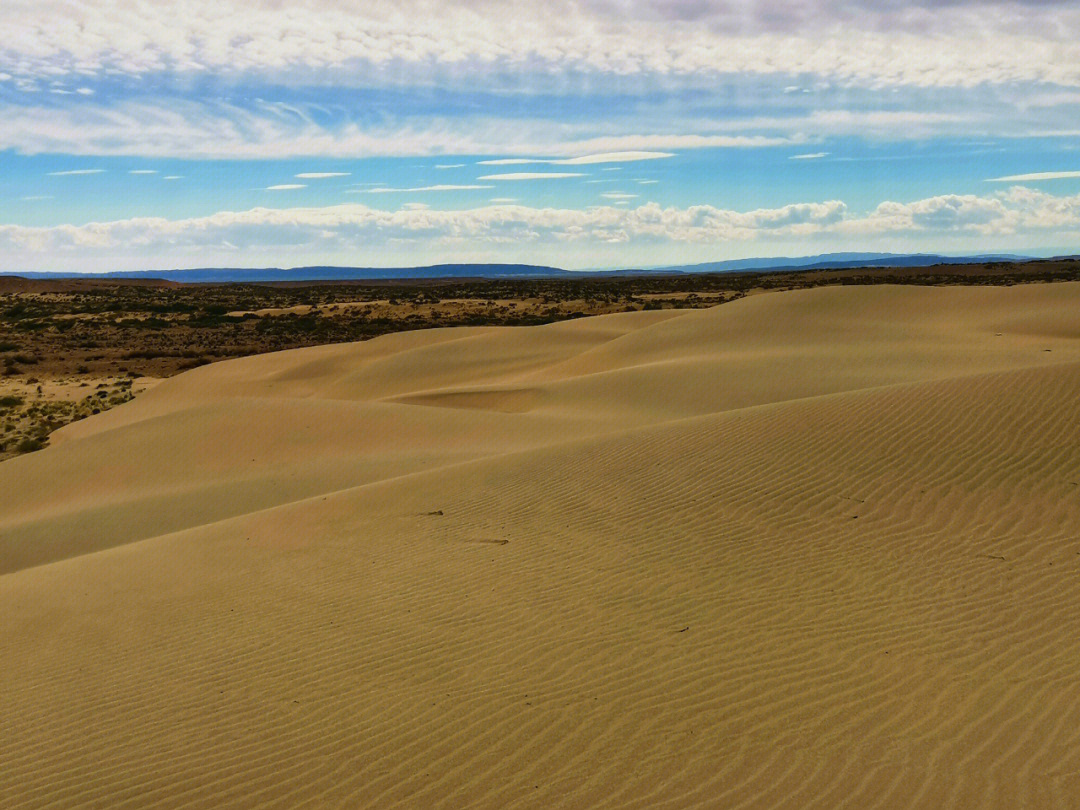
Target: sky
{"points": [[594, 134]]}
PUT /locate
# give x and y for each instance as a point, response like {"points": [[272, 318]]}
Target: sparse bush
{"points": [[29, 445]]}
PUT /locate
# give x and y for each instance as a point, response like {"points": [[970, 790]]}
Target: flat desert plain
{"points": [[809, 549]]}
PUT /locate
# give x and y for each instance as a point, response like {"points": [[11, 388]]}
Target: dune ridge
{"points": [[812, 549]]}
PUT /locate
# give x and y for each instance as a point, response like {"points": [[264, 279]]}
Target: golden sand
{"points": [[814, 549]]}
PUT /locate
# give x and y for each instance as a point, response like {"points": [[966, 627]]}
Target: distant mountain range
{"points": [[322, 273], [526, 271], [837, 261]]}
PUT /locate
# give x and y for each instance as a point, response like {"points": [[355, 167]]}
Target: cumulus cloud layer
{"points": [[358, 223], [354, 227], [960, 43], [1018, 210]]}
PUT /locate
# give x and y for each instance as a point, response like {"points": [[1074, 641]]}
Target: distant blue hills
{"points": [[209, 275], [825, 261], [838, 261]]}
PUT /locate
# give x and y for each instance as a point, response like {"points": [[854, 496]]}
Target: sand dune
{"points": [[813, 549]]}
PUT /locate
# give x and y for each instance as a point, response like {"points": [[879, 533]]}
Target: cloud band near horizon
{"points": [[327, 231]]}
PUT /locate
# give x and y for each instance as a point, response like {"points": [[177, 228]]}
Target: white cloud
{"points": [[618, 195], [582, 160], [897, 124], [809, 156], [510, 161], [285, 187], [73, 172], [1036, 176], [449, 165], [179, 128], [353, 224], [885, 43], [505, 229], [143, 171], [173, 177], [949, 212], [647, 182], [530, 176], [320, 175], [613, 157], [442, 187]]}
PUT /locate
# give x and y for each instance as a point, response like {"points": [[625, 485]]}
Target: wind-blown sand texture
{"points": [[814, 549]]}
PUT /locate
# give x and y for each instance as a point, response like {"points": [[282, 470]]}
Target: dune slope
{"points": [[813, 549]]}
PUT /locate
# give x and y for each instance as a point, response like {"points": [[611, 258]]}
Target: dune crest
{"points": [[813, 549]]}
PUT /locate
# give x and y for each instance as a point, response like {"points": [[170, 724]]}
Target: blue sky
{"points": [[285, 134]]}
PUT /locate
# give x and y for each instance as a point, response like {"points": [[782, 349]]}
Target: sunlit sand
{"points": [[811, 549]]}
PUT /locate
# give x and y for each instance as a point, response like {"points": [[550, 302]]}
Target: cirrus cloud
{"points": [[440, 187], [531, 176], [75, 172], [929, 44], [1035, 177], [190, 129]]}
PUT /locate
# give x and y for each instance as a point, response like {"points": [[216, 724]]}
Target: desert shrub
{"points": [[10, 401], [29, 445]]}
